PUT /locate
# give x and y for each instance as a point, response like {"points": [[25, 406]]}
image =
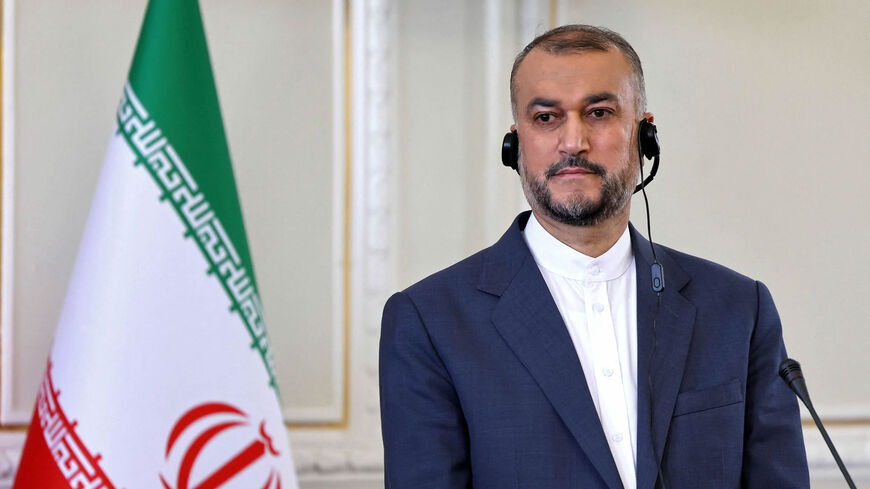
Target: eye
{"points": [[600, 113], [545, 117]]}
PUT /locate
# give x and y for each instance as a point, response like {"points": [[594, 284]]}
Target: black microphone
{"points": [[791, 373]]}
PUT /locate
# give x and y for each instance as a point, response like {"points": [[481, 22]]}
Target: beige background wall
{"points": [[761, 109]]}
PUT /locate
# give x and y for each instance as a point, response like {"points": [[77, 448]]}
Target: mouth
{"points": [[573, 171], [574, 167]]}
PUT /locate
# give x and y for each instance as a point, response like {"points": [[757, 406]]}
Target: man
{"points": [[548, 360]]}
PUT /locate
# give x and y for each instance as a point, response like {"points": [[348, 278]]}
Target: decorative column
{"points": [[352, 456]]}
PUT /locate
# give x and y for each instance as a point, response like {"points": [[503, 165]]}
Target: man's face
{"points": [[576, 121]]}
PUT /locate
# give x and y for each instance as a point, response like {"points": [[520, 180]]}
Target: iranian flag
{"points": [[161, 374]]}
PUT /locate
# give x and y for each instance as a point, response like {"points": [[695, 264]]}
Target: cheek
{"points": [[615, 145], [536, 155]]}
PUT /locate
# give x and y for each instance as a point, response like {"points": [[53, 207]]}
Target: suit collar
{"points": [[559, 258]]}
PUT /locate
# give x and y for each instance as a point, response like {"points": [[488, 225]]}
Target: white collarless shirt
{"points": [[597, 298]]}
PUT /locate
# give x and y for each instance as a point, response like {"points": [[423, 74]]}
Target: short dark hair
{"points": [[577, 38]]}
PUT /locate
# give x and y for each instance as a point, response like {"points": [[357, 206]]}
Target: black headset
{"points": [[647, 146]]}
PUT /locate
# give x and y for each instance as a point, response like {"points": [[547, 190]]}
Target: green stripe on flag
{"points": [[170, 116], [171, 74]]}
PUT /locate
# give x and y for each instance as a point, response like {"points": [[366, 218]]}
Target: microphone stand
{"points": [[791, 373]]}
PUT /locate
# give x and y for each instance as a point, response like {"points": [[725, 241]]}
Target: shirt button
{"points": [[617, 437], [607, 372], [594, 270], [597, 307]]}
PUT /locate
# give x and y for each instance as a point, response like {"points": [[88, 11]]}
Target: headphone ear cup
{"points": [[510, 149], [648, 138]]}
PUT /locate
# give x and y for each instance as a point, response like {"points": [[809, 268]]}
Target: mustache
{"points": [[574, 162]]}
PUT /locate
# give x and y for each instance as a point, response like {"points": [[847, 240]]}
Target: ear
{"points": [[649, 116], [513, 127]]}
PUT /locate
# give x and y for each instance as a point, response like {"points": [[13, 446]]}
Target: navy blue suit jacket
{"points": [[481, 385]]}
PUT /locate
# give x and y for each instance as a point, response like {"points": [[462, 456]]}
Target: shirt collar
{"points": [[561, 259]]}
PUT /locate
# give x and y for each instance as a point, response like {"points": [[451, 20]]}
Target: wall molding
{"points": [[336, 412], [8, 177], [336, 466], [853, 444], [353, 457]]}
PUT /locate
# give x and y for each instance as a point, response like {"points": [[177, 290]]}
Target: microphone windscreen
{"points": [[791, 373]]}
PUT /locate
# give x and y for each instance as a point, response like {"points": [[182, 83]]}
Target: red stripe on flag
{"points": [[54, 456]]}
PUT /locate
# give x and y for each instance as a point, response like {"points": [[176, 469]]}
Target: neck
{"points": [[592, 241]]}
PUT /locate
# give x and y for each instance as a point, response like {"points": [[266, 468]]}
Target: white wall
{"points": [[761, 109]]}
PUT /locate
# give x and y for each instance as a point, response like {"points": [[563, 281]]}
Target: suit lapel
{"points": [[664, 334], [529, 321]]}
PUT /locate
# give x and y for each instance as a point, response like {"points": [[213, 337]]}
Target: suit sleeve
{"points": [[424, 431], [773, 454]]}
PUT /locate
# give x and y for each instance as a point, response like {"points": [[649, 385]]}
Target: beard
{"points": [[580, 210]]}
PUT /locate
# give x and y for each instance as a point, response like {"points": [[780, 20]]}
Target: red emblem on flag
{"points": [[199, 430]]}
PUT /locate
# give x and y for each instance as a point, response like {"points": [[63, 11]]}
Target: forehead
{"points": [[570, 76]]}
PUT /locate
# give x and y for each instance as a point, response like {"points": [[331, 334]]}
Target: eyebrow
{"points": [[588, 100], [600, 97], [543, 102]]}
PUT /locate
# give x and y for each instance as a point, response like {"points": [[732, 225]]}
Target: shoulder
{"points": [[721, 293], [683, 269], [486, 272], [701, 268], [446, 312], [698, 279], [459, 279], [711, 285]]}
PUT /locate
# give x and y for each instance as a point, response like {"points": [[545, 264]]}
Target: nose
{"points": [[573, 138]]}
